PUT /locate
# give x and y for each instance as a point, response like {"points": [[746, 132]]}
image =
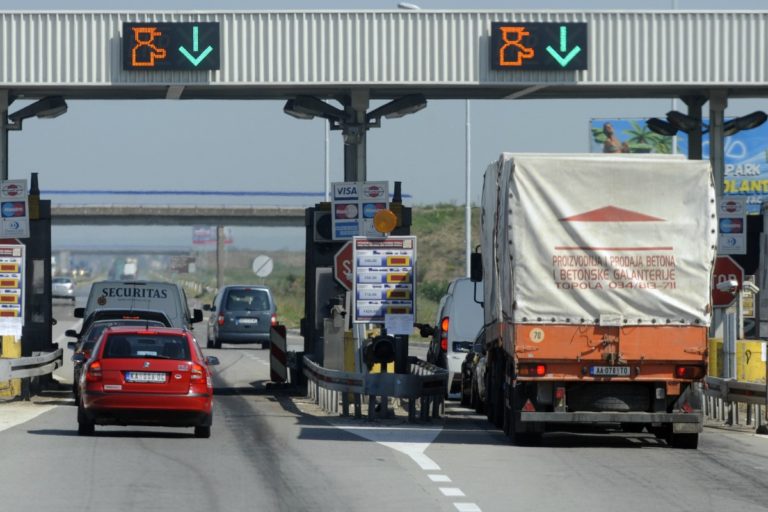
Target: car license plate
{"points": [[248, 321], [145, 377], [609, 371]]}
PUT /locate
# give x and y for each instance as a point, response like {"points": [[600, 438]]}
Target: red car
{"points": [[139, 376]]}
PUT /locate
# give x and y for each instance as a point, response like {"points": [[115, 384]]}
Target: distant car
{"points": [[473, 375], [63, 288], [459, 317], [138, 376], [87, 339], [241, 314]]}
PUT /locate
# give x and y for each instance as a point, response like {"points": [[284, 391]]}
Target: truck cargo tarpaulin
{"points": [[638, 255]]}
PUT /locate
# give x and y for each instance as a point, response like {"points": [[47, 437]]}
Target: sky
{"points": [[253, 145]]}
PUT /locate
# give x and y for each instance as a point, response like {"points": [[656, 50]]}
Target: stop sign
{"points": [[726, 269], [342, 266]]}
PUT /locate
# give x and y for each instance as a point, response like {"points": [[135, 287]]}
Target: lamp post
{"points": [[467, 169], [48, 107]]}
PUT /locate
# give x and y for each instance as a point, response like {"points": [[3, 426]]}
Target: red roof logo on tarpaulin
{"points": [[611, 214]]}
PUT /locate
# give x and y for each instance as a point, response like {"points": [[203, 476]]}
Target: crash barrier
{"points": [[278, 360], [32, 366], [725, 398], [24, 367], [425, 384]]}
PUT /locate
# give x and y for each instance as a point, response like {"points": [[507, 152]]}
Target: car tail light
{"points": [[273, 320], [444, 324], [689, 372], [221, 319], [532, 370], [198, 372], [94, 372]]}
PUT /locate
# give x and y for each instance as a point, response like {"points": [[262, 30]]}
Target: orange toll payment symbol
{"points": [[513, 46], [145, 52]]}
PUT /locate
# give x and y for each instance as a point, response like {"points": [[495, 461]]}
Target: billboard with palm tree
{"points": [[746, 153]]}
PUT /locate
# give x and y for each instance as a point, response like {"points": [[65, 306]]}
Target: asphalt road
{"points": [[271, 450]]}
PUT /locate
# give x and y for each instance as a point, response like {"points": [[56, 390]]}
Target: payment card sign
{"points": [[538, 46], [171, 46]]}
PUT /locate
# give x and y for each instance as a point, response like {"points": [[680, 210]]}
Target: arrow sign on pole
{"points": [[195, 48], [564, 60]]}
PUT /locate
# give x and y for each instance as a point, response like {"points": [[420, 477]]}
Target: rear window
{"points": [[245, 299], [95, 331], [146, 346]]}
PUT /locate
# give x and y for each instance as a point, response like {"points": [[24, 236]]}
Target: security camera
{"points": [[750, 287], [729, 286]]}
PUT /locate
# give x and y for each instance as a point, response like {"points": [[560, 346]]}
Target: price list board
{"points": [[11, 281], [384, 278]]}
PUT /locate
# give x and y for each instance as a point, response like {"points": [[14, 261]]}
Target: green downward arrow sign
{"points": [[563, 60], [195, 47]]}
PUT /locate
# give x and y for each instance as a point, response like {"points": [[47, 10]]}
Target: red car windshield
{"points": [[146, 346]]}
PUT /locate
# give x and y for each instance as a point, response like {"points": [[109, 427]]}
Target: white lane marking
{"points": [[451, 491], [410, 441], [17, 413], [439, 478], [467, 507]]}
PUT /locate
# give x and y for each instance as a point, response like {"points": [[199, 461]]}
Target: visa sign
{"points": [[345, 190]]}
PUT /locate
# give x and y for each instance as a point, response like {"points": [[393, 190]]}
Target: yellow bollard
{"points": [[11, 349]]}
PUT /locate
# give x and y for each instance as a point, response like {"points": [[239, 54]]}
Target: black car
{"points": [[473, 374], [90, 334]]}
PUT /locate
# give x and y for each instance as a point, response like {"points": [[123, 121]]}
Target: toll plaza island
{"points": [[333, 64]]}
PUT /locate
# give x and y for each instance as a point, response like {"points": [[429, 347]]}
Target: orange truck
{"points": [[596, 273]]}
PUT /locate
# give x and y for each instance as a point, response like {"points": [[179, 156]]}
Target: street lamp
{"points": [[47, 108]]}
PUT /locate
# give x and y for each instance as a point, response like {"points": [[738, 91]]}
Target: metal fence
{"points": [[333, 390], [32, 366], [726, 399]]}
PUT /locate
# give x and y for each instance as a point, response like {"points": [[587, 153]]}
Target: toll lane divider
{"points": [[278, 358], [32, 366], [724, 396], [425, 383]]}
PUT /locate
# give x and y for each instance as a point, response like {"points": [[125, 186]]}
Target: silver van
{"points": [[241, 314], [459, 318], [168, 298]]}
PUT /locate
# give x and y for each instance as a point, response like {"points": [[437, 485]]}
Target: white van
{"points": [[459, 318], [168, 298]]}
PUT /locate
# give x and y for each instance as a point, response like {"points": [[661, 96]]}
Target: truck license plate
{"points": [[609, 371]]}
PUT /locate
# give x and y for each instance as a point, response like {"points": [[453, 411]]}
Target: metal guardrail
{"points": [[426, 383], [32, 366], [723, 396]]}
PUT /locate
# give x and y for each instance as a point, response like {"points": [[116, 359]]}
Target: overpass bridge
{"points": [[89, 215]]}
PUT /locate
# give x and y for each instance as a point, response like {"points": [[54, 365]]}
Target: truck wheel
{"points": [[685, 441]]}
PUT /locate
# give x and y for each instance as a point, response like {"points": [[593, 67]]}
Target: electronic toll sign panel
{"points": [[171, 46], [538, 46]]}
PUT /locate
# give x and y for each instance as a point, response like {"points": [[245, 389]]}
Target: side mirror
{"points": [[71, 333], [476, 267], [79, 312], [206, 307], [71, 345], [78, 358], [197, 316], [211, 360], [477, 348]]}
